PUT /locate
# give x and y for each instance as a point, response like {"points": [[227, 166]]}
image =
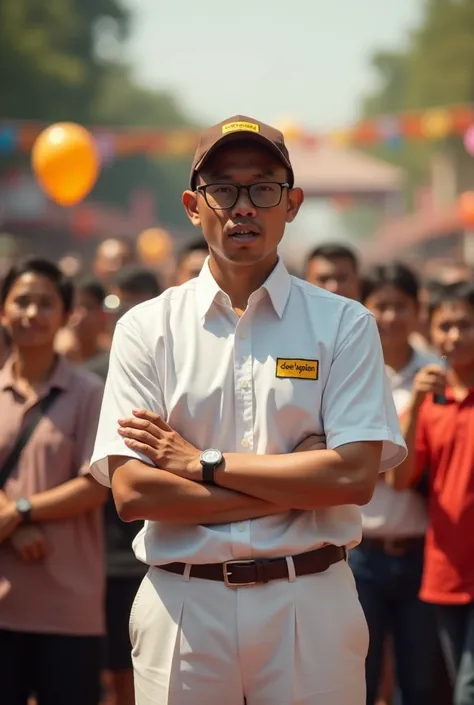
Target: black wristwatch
{"points": [[23, 507], [210, 461]]}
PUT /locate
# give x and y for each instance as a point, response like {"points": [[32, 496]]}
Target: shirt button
{"points": [[244, 443], [242, 334], [241, 527], [244, 384]]}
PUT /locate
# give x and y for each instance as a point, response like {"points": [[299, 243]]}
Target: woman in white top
{"points": [[388, 563]]}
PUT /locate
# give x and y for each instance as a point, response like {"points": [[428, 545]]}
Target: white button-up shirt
{"points": [[390, 513], [299, 361]]}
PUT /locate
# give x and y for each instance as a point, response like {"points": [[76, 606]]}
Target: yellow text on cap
{"points": [[297, 369], [240, 126]]}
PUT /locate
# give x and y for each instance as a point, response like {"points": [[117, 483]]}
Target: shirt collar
{"points": [[59, 378], [277, 285]]}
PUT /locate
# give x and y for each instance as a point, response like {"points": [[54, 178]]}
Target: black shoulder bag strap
{"points": [[36, 415]]}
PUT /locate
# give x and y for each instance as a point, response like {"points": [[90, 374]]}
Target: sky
{"points": [[307, 61]]}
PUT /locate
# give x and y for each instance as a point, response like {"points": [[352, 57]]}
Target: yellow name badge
{"points": [[297, 369], [240, 126]]}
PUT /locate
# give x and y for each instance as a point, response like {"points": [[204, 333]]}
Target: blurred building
{"points": [[42, 227]]}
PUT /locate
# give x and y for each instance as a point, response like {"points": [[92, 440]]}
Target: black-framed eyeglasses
{"points": [[266, 194]]}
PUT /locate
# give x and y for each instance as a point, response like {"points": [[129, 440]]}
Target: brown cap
{"points": [[235, 128]]}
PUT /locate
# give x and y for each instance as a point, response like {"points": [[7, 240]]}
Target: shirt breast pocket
{"points": [[291, 404], [300, 396]]}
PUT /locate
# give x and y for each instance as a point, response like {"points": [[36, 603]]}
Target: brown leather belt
{"points": [[241, 573], [395, 547]]}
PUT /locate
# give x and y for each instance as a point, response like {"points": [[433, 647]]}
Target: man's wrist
{"points": [[194, 468], [14, 515], [23, 508], [211, 460]]}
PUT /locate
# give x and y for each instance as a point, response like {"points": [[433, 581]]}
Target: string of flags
{"points": [[392, 131]]}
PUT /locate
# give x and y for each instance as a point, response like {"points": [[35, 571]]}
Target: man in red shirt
{"points": [[439, 432]]}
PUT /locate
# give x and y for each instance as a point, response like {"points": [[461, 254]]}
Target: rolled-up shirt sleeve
{"points": [[132, 383], [357, 400]]}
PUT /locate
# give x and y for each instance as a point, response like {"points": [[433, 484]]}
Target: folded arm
{"points": [[251, 486], [144, 492], [316, 478]]}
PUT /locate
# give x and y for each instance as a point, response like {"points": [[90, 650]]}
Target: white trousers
{"points": [[198, 642]]}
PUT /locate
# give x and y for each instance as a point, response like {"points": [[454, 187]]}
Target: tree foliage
{"points": [[47, 65], [50, 70], [436, 69]]}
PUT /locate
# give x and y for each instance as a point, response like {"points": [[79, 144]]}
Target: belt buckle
{"points": [[392, 549], [227, 572]]}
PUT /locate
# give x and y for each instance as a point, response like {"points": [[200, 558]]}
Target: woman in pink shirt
{"points": [[51, 556]]}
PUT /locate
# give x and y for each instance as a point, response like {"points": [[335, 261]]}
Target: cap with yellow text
{"points": [[237, 128]]}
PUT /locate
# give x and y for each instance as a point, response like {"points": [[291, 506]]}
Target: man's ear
{"points": [[190, 203], [295, 201]]}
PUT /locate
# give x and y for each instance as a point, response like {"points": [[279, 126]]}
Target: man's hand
{"points": [[431, 379], [29, 542], [147, 433], [9, 519]]}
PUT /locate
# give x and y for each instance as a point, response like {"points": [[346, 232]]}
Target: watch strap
{"points": [[24, 510], [208, 473]]}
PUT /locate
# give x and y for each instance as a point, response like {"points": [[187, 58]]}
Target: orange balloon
{"points": [[66, 161], [154, 245], [466, 209]]}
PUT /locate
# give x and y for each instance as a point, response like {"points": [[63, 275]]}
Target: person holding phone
{"points": [[440, 440]]}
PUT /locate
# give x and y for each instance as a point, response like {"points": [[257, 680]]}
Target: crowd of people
{"points": [[414, 568], [67, 574]]}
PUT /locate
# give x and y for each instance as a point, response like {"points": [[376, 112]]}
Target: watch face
{"points": [[211, 457], [23, 505]]}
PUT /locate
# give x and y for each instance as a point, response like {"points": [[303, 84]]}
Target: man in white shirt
{"points": [[211, 387]]}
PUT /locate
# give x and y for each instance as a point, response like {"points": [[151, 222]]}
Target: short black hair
{"points": [[138, 280], [334, 251], [45, 268], [431, 285], [460, 292], [395, 274], [196, 245], [94, 287]]}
